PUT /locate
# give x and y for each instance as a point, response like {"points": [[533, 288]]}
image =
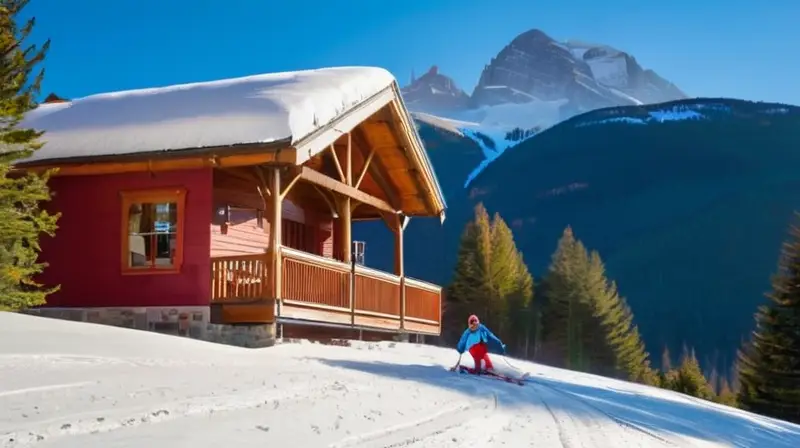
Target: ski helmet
{"points": [[473, 318]]}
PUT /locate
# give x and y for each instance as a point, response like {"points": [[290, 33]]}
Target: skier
{"points": [[479, 341]]}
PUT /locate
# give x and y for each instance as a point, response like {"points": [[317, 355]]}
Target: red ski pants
{"points": [[480, 353]]}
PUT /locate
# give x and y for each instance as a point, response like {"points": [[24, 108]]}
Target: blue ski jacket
{"points": [[481, 334]]}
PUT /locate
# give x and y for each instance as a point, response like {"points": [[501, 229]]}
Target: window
{"points": [[152, 230]]}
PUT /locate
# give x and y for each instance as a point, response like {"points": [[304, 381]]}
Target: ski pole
{"points": [[458, 363]]}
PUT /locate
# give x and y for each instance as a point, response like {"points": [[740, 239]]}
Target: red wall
{"points": [[85, 255]]}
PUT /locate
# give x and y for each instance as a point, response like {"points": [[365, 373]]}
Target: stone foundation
{"points": [[249, 336], [186, 321]]}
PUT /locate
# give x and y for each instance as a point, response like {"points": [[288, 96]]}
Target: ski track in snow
{"points": [[596, 426], [412, 432], [71, 385]]}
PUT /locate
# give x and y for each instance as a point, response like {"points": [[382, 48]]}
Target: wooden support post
{"points": [[346, 214], [347, 237], [275, 233], [345, 211], [399, 267], [349, 160]]}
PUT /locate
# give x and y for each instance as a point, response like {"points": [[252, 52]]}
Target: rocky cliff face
{"points": [[535, 68], [616, 69], [435, 93]]}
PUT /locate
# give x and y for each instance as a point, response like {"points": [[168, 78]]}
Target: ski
{"points": [[493, 375]]}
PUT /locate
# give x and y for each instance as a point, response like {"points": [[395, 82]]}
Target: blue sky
{"points": [[739, 48]]}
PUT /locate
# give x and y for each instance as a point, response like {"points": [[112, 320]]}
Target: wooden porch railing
{"points": [[314, 280], [321, 283], [240, 277], [423, 301], [377, 293]]}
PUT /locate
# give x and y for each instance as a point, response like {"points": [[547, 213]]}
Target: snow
{"points": [[497, 134], [611, 71], [495, 122], [625, 96], [518, 115], [68, 384], [674, 113], [447, 124], [253, 109]]}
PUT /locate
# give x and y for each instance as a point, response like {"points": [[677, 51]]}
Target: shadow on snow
{"points": [[655, 414]]}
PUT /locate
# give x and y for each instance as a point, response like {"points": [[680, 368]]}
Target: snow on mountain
{"points": [[670, 112], [447, 124], [533, 83], [494, 129], [674, 113], [587, 76], [69, 384]]}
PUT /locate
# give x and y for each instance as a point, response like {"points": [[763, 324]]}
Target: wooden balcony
{"points": [[325, 291]]}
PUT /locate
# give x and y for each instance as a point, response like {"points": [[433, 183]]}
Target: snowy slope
{"points": [[82, 385], [491, 127]]}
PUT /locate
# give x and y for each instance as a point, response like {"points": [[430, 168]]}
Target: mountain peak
{"points": [[564, 78], [532, 34], [434, 92], [535, 67]]}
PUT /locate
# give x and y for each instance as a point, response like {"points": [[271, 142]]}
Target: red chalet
{"points": [[222, 210]]}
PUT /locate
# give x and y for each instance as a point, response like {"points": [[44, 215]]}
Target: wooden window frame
{"points": [[173, 194]]}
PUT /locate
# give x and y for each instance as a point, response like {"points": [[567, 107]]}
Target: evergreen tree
{"points": [[469, 286], [21, 219], [620, 334], [522, 315], [666, 360], [566, 310], [714, 379], [590, 319], [491, 280], [503, 275], [726, 395], [769, 365], [733, 378], [688, 378]]}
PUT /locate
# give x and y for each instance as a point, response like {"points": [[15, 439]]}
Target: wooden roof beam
{"points": [[329, 183], [336, 162], [403, 140], [376, 169], [364, 168], [163, 163]]}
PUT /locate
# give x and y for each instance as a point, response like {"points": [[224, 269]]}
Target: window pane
{"points": [[165, 248], [152, 234]]}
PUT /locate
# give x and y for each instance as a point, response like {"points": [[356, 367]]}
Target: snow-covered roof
{"points": [[267, 108]]}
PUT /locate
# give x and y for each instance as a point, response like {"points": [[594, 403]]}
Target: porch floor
{"points": [[343, 318]]}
